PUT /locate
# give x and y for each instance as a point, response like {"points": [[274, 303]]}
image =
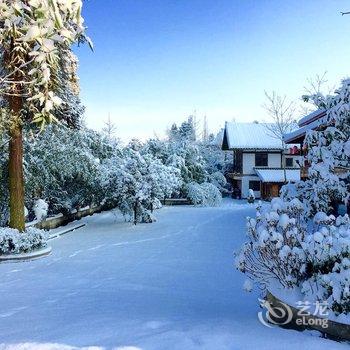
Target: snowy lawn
{"points": [[167, 285]]}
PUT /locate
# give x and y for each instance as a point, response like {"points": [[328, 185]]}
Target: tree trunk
{"points": [[16, 177]]}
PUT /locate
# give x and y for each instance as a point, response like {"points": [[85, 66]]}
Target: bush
{"points": [[273, 250], [313, 255], [14, 242], [205, 194]]}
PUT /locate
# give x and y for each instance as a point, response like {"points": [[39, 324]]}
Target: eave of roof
{"points": [[311, 117], [298, 136], [277, 175]]}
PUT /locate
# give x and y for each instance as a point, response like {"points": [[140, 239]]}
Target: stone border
{"points": [[335, 330], [26, 256], [176, 201]]}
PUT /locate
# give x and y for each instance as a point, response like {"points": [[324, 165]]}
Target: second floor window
{"points": [[261, 159], [289, 162]]}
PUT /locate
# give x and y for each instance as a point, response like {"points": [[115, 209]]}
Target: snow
{"points": [[166, 285], [311, 117], [277, 175], [40, 209], [296, 134], [250, 136]]}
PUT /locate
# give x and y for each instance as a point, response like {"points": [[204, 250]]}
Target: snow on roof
{"points": [[300, 133], [311, 117], [277, 175], [249, 136]]}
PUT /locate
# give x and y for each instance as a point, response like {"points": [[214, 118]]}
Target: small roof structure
{"points": [[249, 136], [311, 121], [277, 174]]}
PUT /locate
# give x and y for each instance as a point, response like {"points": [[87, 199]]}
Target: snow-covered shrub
{"points": [[251, 196], [328, 263], [157, 204], [313, 255], [14, 242], [205, 194], [40, 209], [195, 194], [219, 181], [212, 194], [274, 249]]}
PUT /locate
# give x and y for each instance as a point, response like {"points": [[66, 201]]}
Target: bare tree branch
{"points": [[282, 113]]}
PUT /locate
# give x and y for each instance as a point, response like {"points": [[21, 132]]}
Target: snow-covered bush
{"points": [[328, 262], [313, 255], [218, 180], [205, 194], [212, 194], [40, 209], [14, 242], [273, 249], [251, 196]]}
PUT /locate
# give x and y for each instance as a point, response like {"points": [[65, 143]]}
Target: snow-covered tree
{"points": [[109, 128], [297, 240], [62, 166], [31, 36], [328, 153]]}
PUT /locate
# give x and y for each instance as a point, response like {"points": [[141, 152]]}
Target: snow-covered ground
{"points": [[168, 285]]}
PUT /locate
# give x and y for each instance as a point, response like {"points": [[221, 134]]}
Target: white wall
{"points": [[275, 160]]}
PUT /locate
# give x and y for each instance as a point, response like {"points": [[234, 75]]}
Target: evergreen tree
{"points": [[33, 32]]}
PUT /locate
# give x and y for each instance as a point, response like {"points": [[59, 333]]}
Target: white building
{"points": [[258, 159]]}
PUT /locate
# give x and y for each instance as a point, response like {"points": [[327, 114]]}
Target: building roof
{"points": [[249, 136], [309, 122], [319, 113], [277, 174]]}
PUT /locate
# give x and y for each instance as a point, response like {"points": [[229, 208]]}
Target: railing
{"points": [[232, 175]]}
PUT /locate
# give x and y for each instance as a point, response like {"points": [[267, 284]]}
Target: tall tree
{"points": [[31, 36]]}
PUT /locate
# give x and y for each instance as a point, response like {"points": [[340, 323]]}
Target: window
{"points": [[254, 185], [261, 159], [289, 162]]}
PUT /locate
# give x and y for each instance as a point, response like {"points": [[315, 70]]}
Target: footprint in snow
{"points": [[13, 312], [97, 247], [75, 253]]}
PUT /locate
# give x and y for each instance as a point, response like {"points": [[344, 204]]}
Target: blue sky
{"points": [[156, 61]]}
